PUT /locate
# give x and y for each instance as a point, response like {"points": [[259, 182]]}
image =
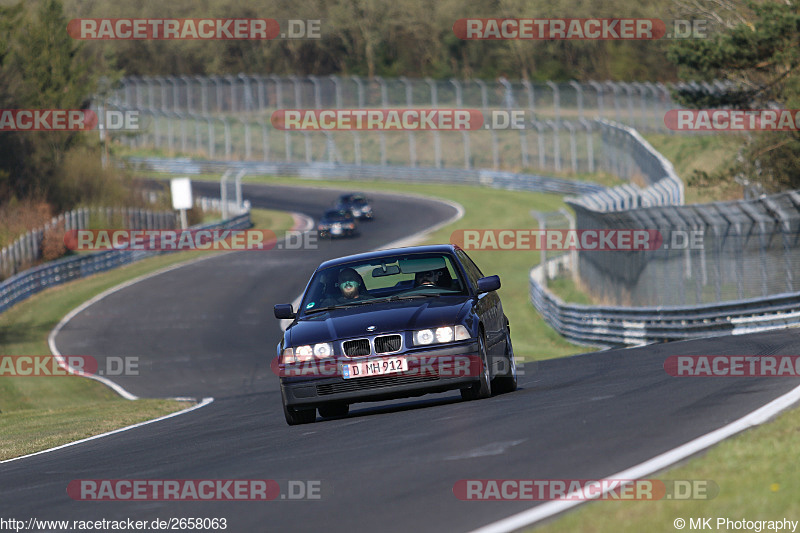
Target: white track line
{"points": [[301, 223], [51, 338], [203, 403], [660, 462]]}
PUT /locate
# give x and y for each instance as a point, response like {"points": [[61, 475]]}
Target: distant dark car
{"points": [[357, 204], [392, 324], [337, 223]]}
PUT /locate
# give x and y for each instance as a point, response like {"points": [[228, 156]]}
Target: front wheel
{"points": [[507, 381], [295, 417], [483, 388]]}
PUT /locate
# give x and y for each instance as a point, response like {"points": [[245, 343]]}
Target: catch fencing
{"points": [[714, 252], [30, 247], [229, 118]]}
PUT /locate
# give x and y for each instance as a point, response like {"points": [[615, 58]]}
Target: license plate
{"points": [[374, 367], [336, 230]]}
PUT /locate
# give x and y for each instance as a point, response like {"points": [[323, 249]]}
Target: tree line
{"points": [[754, 44]]}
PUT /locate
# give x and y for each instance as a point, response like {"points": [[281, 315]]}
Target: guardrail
{"points": [[632, 157], [28, 248], [29, 282], [608, 326], [505, 180]]}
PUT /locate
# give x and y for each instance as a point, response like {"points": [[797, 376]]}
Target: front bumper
{"points": [[327, 233], [439, 375]]}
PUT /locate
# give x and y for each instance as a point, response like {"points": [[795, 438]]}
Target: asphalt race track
{"points": [[207, 330]]}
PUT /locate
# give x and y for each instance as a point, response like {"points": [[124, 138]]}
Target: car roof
{"points": [[431, 248]]}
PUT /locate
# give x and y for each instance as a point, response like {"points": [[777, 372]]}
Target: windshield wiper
{"points": [[412, 296], [393, 298], [331, 308]]}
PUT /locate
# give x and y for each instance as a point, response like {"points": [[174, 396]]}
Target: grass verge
{"points": [[701, 153], [756, 473], [41, 412]]}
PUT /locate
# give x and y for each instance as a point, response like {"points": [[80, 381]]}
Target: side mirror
{"points": [[284, 311], [488, 284]]}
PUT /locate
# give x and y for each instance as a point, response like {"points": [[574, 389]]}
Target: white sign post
{"points": [[181, 189]]}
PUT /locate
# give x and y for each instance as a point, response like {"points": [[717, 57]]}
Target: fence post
{"points": [[589, 144], [556, 99], [223, 193], [556, 144]]}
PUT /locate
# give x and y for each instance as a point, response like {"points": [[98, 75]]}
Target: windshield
{"points": [[393, 277], [335, 216]]}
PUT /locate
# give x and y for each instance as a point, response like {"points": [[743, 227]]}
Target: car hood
{"points": [[385, 316]]}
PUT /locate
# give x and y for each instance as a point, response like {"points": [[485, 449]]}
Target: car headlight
{"points": [[444, 334], [322, 350], [301, 354], [423, 336], [287, 356]]}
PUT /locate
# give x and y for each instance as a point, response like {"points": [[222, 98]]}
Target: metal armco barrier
{"points": [[28, 248], [608, 326], [25, 284], [502, 180]]}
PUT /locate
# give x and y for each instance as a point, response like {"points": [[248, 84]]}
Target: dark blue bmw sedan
{"points": [[391, 324]]}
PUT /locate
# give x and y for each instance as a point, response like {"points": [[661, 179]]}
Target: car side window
{"points": [[473, 272]]}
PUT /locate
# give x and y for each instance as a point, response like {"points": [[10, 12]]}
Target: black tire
{"points": [[483, 388], [295, 417], [333, 409], [507, 382]]}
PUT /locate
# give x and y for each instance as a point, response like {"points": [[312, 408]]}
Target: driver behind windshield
{"points": [[350, 284], [427, 279]]}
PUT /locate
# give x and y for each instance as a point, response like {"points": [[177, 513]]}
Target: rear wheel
{"points": [[483, 388], [334, 409], [507, 381]]}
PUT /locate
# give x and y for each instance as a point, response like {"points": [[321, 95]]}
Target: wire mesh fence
{"points": [[229, 117], [639, 104], [47, 242], [710, 253]]}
